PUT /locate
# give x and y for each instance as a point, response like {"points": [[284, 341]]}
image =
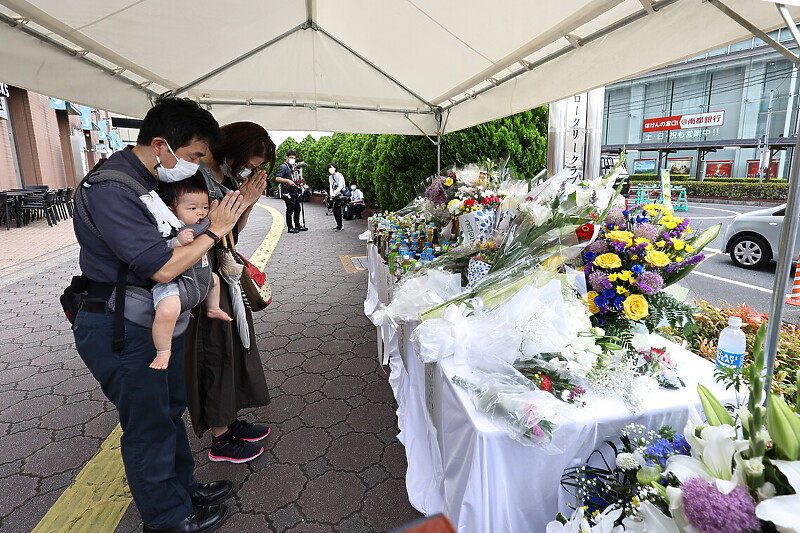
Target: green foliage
{"points": [[522, 137], [773, 190]]}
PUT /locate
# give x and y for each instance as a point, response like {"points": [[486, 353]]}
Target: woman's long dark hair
{"points": [[242, 141]]}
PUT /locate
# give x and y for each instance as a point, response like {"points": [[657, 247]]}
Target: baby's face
{"points": [[192, 207]]}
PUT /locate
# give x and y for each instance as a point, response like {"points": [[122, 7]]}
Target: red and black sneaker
{"points": [[248, 432], [229, 448]]}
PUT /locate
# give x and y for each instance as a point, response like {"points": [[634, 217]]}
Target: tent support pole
{"points": [[791, 222]]}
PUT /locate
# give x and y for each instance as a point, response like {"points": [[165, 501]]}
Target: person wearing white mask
{"points": [[338, 193], [214, 351], [121, 245], [356, 205], [290, 192]]}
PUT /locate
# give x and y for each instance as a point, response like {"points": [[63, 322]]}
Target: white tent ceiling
{"points": [[371, 66]]}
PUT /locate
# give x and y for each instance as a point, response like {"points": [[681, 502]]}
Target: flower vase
{"points": [[476, 271]]}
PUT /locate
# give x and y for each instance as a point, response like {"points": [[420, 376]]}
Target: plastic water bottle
{"points": [[731, 345]]}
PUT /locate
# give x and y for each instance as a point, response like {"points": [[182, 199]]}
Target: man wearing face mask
{"points": [[123, 247], [356, 205], [290, 192]]}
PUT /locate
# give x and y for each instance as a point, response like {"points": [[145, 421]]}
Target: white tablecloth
{"points": [[462, 465]]}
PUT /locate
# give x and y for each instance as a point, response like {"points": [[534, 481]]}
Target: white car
{"points": [[752, 239]]}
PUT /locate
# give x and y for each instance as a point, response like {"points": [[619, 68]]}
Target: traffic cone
{"points": [[794, 298]]}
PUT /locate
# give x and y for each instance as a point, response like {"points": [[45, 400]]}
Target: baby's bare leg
{"points": [[212, 302], [167, 313]]}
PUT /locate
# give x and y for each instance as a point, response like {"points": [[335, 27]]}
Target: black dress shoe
{"points": [[213, 492], [302, 228], [293, 230], [203, 520]]}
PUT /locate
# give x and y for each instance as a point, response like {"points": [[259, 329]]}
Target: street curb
{"points": [[735, 201]]}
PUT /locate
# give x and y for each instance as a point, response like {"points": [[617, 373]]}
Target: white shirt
{"points": [[337, 184], [357, 196]]}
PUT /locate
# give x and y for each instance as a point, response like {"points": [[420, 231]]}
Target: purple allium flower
{"points": [[616, 218], [598, 247], [710, 511], [599, 281], [650, 282], [645, 231]]}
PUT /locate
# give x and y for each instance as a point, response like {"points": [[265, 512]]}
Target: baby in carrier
{"points": [[188, 200]]}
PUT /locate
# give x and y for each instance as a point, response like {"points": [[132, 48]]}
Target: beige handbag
{"points": [[254, 282]]}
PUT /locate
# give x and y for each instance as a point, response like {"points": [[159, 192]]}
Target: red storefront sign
{"points": [[662, 124], [682, 122]]}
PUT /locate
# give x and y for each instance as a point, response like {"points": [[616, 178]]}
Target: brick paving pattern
{"points": [[332, 462]]}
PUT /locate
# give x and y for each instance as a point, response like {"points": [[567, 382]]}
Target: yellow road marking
{"points": [[97, 499], [265, 249], [100, 496]]}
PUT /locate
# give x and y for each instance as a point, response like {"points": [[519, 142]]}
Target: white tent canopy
{"points": [[362, 66]]}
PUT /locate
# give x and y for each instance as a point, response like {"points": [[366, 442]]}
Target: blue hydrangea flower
{"points": [[608, 294], [637, 269], [589, 256]]}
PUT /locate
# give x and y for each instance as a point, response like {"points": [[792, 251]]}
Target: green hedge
{"points": [[757, 191], [682, 177]]}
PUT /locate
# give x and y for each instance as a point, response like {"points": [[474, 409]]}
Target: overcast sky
{"points": [[279, 136]]}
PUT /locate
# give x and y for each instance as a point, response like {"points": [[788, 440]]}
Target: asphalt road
{"points": [[717, 280]]}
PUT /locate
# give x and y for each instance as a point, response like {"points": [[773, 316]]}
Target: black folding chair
{"points": [[6, 208]]}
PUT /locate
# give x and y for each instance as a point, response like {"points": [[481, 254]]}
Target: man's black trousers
{"points": [[292, 213], [155, 449]]}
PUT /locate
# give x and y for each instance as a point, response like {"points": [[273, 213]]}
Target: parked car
{"points": [[752, 239]]}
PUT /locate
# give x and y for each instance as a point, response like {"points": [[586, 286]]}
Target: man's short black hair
{"points": [[179, 121], [171, 191], [291, 152]]}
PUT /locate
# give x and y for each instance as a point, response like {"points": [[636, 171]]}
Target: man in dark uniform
{"points": [[290, 192], [159, 464]]}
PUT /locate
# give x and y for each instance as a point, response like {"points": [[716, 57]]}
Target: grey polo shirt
{"points": [[129, 230]]}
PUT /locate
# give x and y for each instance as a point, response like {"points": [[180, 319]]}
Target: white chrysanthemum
{"points": [[626, 462]]}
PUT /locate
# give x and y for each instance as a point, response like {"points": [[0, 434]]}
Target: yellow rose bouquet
{"points": [[637, 254]]}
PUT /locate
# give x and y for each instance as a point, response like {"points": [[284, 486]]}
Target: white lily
{"points": [[784, 511], [652, 521], [604, 523], [712, 457]]}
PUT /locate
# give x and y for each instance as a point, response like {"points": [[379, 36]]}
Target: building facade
{"points": [[708, 116], [45, 141]]}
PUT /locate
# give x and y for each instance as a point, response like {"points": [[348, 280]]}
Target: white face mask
{"points": [[352, 187], [226, 169], [183, 169], [331, 170], [292, 160]]}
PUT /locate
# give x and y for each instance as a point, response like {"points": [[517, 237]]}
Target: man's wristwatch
{"points": [[213, 236]]}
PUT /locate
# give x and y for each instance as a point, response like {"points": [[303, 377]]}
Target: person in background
{"points": [[338, 188], [223, 377], [356, 205], [290, 192]]}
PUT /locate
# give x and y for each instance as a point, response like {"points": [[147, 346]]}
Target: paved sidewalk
{"points": [[332, 462]]}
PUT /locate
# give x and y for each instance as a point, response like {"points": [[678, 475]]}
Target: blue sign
{"points": [[112, 138], [55, 103], [120, 144], [101, 130], [86, 118]]}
